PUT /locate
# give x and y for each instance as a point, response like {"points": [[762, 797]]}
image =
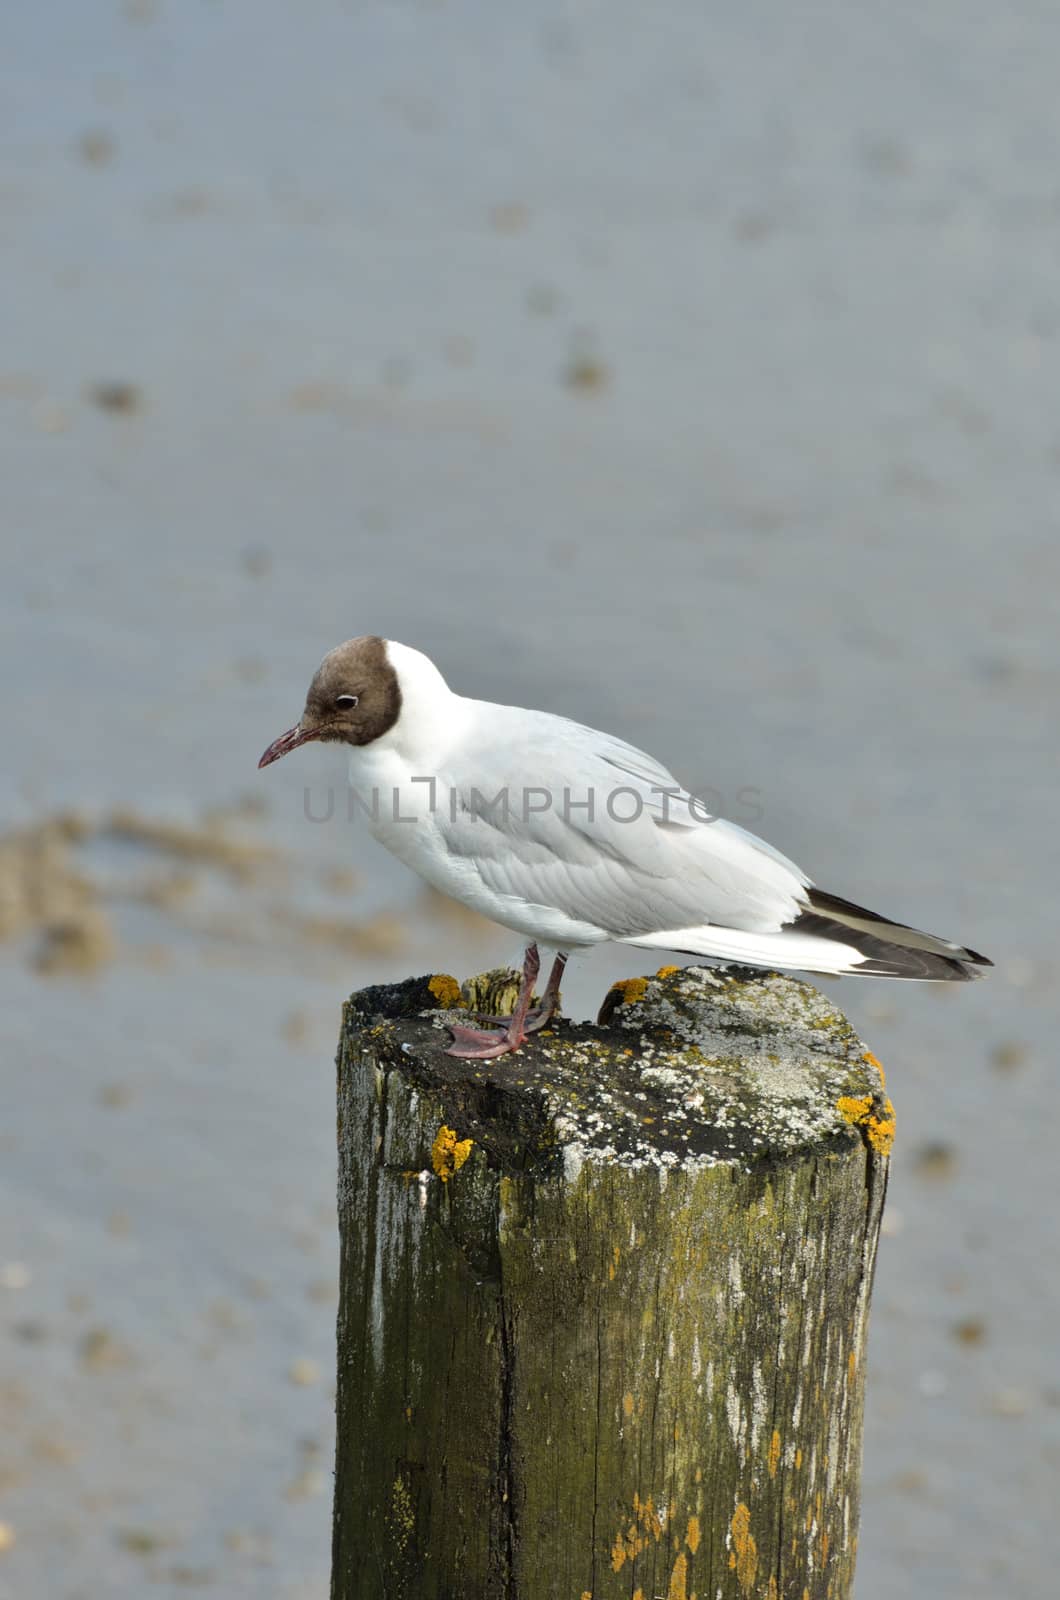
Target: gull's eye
{"points": [[346, 701]]}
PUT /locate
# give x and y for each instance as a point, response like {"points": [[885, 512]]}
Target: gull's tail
{"points": [[830, 938], [886, 949]]}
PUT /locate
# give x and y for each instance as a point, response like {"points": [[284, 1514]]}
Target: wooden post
{"points": [[604, 1302]]}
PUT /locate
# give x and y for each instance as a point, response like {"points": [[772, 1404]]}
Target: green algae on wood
{"points": [[620, 1347]]}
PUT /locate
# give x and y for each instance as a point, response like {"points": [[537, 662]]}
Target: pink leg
{"points": [[472, 1044], [542, 1015]]}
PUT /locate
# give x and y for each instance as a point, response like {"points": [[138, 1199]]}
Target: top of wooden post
{"points": [[689, 1068]]}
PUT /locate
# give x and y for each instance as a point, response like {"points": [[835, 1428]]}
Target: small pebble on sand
{"points": [[304, 1371]]}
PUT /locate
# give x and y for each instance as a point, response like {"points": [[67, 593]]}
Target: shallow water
{"points": [[698, 382]]}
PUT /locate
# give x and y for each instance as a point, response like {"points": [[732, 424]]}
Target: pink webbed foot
{"points": [[481, 1044], [471, 1044]]}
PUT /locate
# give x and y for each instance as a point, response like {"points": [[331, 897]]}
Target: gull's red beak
{"points": [[287, 742]]}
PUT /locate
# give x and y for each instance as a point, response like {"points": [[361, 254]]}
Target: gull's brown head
{"points": [[354, 698]]}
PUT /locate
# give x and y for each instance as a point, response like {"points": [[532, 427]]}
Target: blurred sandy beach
{"points": [[692, 373]]}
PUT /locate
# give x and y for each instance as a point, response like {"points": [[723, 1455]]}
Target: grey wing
{"points": [[604, 833]]}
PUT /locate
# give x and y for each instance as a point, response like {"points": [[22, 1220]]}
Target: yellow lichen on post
{"points": [[402, 1517], [446, 991], [773, 1453], [667, 972], [678, 1589], [624, 992], [448, 1153], [629, 1542], [692, 1537], [874, 1061], [649, 1517], [630, 990], [744, 1557], [874, 1115]]}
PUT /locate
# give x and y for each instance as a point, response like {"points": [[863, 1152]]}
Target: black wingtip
{"points": [[977, 961], [890, 949], [922, 965]]}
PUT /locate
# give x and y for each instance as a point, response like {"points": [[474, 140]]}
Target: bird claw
{"points": [[539, 1019], [473, 1044]]}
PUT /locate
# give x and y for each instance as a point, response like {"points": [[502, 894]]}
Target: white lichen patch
{"points": [[758, 1406], [705, 1068], [758, 1062]]}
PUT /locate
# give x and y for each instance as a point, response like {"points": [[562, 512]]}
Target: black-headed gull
{"points": [[573, 837]]}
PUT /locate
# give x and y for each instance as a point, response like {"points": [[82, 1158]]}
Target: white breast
{"points": [[419, 816]]}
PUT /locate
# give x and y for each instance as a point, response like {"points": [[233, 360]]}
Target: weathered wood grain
{"points": [[604, 1302]]}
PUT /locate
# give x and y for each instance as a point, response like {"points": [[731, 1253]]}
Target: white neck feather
{"points": [[430, 711]]}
